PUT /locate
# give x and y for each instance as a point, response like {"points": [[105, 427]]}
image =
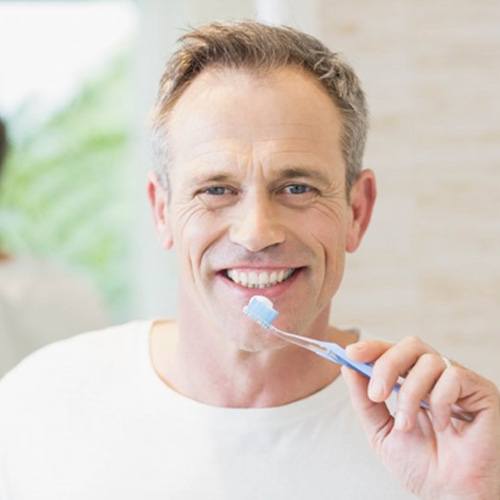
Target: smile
{"points": [[259, 278]]}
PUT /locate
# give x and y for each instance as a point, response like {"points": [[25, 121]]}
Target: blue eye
{"points": [[298, 189], [218, 190], [217, 196]]}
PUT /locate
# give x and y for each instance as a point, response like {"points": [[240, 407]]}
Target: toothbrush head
{"points": [[260, 309]]}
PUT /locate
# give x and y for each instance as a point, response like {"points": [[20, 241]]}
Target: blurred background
{"points": [[77, 82]]}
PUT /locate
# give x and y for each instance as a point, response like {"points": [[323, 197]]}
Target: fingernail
{"points": [[358, 345], [402, 421], [376, 390], [355, 348]]}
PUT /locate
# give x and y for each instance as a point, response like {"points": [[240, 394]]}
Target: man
{"points": [[260, 189], [40, 301]]}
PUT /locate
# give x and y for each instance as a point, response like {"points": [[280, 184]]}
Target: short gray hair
{"points": [[259, 47]]}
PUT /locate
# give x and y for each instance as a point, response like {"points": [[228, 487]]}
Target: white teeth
{"points": [[253, 280], [260, 279]]}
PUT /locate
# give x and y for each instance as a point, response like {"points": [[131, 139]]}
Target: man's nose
{"points": [[256, 226]]}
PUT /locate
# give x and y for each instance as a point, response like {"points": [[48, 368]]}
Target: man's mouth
{"points": [[259, 278]]}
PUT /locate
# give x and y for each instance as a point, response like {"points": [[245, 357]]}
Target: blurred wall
{"points": [[430, 264]]}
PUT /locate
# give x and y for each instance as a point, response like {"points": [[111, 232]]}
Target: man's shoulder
{"points": [[83, 357]]}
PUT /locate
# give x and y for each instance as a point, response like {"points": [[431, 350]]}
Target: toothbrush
{"points": [[261, 310]]}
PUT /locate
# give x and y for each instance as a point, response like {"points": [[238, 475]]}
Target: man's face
{"points": [[257, 199]]}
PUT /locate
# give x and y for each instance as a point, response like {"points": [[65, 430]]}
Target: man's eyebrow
{"points": [[215, 177], [291, 172]]}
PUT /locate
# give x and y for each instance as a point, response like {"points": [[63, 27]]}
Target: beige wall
{"points": [[430, 263]]}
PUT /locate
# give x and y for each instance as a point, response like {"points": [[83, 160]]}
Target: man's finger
{"points": [[469, 390], [375, 418], [417, 385], [367, 350]]}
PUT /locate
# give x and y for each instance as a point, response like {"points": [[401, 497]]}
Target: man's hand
{"points": [[434, 456]]}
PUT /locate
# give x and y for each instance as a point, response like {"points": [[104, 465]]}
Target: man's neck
{"points": [[236, 378]]}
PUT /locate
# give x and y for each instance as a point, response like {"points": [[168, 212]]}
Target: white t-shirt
{"points": [[89, 418], [41, 302]]}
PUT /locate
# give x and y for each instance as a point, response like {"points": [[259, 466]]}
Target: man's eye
{"points": [[297, 189], [217, 196], [217, 190], [298, 195]]}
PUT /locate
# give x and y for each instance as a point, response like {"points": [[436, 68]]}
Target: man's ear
{"points": [[362, 200], [158, 198]]}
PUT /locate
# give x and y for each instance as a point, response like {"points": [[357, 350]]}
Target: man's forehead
{"points": [[278, 142], [233, 155], [230, 118], [226, 141], [284, 102]]}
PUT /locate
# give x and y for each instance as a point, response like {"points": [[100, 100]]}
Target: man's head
{"points": [[256, 199]]}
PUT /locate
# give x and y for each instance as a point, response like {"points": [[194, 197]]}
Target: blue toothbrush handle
{"points": [[365, 369]]}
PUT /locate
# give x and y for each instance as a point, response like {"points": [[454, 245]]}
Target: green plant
{"points": [[65, 190]]}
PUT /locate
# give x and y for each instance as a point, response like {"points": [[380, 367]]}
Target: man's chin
{"points": [[257, 340]]}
